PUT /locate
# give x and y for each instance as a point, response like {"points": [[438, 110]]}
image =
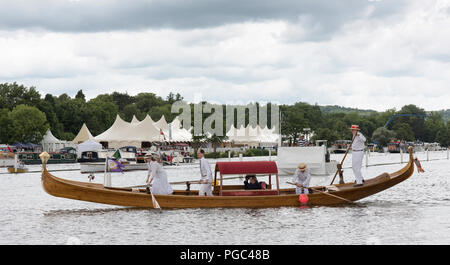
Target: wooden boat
{"points": [[6, 159], [17, 170], [32, 158], [226, 195]]}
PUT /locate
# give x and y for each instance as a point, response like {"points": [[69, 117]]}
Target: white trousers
{"points": [[205, 189], [298, 190], [357, 158]]}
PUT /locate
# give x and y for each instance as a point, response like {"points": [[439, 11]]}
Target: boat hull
{"points": [[6, 162], [97, 193], [17, 170]]}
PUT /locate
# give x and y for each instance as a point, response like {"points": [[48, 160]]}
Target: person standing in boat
{"points": [[358, 147], [206, 178], [158, 175], [301, 179]]}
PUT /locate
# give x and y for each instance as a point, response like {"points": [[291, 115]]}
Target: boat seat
{"points": [[249, 192]]}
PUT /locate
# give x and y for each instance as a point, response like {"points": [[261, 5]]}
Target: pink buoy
{"points": [[303, 198]]}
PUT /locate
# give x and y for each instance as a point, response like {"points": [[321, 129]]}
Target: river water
{"points": [[416, 211]]}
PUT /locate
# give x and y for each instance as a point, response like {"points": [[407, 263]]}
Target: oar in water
{"points": [[329, 194], [155, 202]]}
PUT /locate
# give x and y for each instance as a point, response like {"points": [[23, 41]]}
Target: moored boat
{"points": [[226, 195], [340, 146], [6, 159], [32, 158], [17, 170]]}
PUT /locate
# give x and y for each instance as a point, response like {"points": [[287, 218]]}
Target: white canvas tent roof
{"points": [[162, 124], [269, 135], [134, 119], [88, 145], [83, 135], [51, 143], [251, 135], [179, 134], [50, 138], [122, 133]]}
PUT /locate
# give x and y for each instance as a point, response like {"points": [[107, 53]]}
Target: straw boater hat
{"points": [[355, 127], [150, 155], [301, 165]]}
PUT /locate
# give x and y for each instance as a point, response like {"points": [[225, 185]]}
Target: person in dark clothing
{"points": [[251, 183]]}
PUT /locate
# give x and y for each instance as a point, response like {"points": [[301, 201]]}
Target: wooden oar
{"points": [[329, 194], [137, 186], [342, 162], [173, 183], [155, 202]]}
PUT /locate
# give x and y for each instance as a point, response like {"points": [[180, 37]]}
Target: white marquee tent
{"points": [[122, 133], [177, 133], [83, 135], [253, 136], [88, 145], [50, 143]]}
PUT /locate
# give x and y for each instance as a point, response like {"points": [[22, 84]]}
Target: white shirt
{"points": [[205, 171], [302, 177], [160, 181], [359, 142]]}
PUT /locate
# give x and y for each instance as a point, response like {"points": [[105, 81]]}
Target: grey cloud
{"points": [[109, 15]]}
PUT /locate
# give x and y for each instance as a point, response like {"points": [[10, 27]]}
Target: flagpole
{"points": [[107, 177]]}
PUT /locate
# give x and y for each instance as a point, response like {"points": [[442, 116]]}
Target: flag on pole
{"points": [[117, 155], [162, 133], [113, 166]]}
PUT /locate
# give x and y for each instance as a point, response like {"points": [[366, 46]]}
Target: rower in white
{"points": [[358, 147], [206, 175]]}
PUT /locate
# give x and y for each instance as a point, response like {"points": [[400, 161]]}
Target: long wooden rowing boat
{"points": [[17, 170], [225, 195]]}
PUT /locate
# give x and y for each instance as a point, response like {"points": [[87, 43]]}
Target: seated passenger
{"points": [[20, 164], [301, 179], [251, 183]]}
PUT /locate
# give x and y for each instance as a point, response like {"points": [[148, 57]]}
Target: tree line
{"points": [[25, 115]]}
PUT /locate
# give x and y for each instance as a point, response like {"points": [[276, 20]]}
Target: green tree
{"points": [[383, 136], [433, 124], [293, 122], [216, 141], [28, 124], [326, 134], [5, 126], [100, 115], [12, 95], [145, 101], [80, 95], [403, 131], [130, 110], [122, 99], [416, 123], [443, 136]]}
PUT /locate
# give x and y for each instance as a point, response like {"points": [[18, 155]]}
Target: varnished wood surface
{"points": [[94, 192]]}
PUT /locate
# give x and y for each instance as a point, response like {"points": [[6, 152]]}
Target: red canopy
{"points": [[247, 167]]}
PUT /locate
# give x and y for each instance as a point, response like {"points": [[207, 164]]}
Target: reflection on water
{"points": [[413, 212], [78, 212]]}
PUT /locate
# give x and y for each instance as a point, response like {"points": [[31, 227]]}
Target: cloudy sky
{"points": [[369, 54]]}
